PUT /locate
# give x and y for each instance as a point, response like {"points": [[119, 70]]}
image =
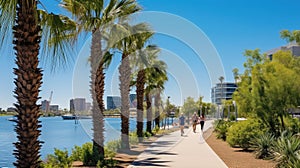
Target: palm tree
{"points": [[97, 19], [235, 72], [143, 59], [221, 78], [25, 20], [125, 38], [160, 82], [155, 79]]}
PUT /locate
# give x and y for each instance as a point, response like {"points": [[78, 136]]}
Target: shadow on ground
{"points": [[150, 162]]}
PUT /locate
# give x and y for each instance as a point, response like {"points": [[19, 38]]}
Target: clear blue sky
{"points": [[230, 25]]}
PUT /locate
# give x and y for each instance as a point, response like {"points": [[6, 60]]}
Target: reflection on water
{"points": [[56, 133]]}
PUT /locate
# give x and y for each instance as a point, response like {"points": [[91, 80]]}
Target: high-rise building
{"points": [[72, 106], [113, 102], [45, 104], [222, 91], [77, 104], [88, 106]]}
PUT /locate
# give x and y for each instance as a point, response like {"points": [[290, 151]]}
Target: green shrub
{"points": [[287, 150], [77, 153], [221, 128], [85, 154], [133, 138], [241, 133], [60, 159], [109, 153], [147, 134], [263, 146], [114, 145], [156, 130], [292, 125], [232, 117]]}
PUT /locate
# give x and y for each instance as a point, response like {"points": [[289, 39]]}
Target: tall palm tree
{"points": [[25, 20], [160, 82], [125, 38], [155, 79], [141, 60], [97, 19], [221, 79], [235, 72]]}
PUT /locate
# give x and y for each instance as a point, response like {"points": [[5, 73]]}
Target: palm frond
{"points": [[59, 34], [7, 20]]}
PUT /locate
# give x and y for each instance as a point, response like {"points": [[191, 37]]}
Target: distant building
{"points": [[293, 47], [77, 104], [222, 91], [72, 106], [133, 101], [54, 108], [11, 109], [113, 102], [88, 106], [44, 105]]}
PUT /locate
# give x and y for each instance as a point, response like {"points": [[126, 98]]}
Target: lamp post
{"points": [[168, 112], [235, 110]]}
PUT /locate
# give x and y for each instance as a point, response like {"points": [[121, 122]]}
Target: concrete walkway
{"points": [[177, 151]]}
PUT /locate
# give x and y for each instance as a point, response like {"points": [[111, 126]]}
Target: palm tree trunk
{"points": [[149, 113], [140, 99], [28, 82], [97, 92], [157, 105], [124, 77]]}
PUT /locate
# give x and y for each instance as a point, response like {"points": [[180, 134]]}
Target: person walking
{"points": [[181, 123], [194, 120], [202, 120]]}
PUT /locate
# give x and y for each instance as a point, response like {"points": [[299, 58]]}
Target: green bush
{"points": [[263, 146], [232, 117], [147, 134], [292, 125], [221, 128], [60, 159], [133, 138], [287, 150], [114, 145], [241, 133], [77, 153], [156, 130]]}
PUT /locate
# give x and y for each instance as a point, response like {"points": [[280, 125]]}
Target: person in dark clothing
{"points": [[202, 120], [181, 123]]}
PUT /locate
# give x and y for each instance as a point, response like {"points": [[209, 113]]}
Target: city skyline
{"points": [[230, 26]]}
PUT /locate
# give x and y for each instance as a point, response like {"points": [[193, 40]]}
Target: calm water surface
{"points": [[56, 133]]}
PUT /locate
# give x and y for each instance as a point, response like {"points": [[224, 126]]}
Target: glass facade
{"points": [[222, 91]]}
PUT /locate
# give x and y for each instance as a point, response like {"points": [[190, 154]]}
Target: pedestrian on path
{"points": [[202, 120], [181, 123], [195, 120]]}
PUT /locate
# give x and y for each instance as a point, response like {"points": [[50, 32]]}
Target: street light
{"points": [[235, 110], [168, 112]]}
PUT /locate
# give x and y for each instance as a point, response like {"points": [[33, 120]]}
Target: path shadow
{"points": [[150, 162]]}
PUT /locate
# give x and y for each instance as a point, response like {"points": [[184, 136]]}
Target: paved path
{"points": [[177, 151]]}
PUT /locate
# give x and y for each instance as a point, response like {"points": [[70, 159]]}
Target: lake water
{"points": [[57, 133]]}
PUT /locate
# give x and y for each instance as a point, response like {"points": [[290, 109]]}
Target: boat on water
{"points": [[73, 117]]}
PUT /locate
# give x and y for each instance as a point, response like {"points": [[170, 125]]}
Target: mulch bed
{"points": [[236, 157]]}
